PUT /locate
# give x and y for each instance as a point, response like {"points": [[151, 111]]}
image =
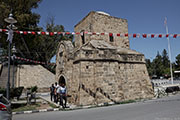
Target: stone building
{"points": [[102, 68]]}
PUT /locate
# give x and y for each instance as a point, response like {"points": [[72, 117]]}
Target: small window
{"points": [[87, 53], [87, 67], [61, 54], [83, 37]]}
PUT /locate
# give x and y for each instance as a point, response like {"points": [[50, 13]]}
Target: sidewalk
{"points": [[46, 97]]}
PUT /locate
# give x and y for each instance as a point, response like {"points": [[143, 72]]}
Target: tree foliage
{"points": [[149, 66], [177, 64], [157, 65], [165, 59], [160, 66], [27, 21], [35, 47], [49, 43]]}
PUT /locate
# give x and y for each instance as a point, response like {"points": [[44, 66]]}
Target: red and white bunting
{"points": [[134, 35], [33, 61]]}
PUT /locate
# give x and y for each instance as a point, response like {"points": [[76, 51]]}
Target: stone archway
{"points": [[62, 80]]}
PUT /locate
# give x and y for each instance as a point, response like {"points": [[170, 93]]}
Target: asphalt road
{"points": [[162, 109]]}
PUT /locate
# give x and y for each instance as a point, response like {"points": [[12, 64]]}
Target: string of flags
{"points": [[32, 61], [29, 60], [134, 35]]}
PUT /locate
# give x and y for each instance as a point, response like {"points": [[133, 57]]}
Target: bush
{"points": [[14, 92], [3, 91], [34, 89]]}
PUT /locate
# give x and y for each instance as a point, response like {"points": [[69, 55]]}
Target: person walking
{"points": [[52, 88], [62, 92], [55, 93]]}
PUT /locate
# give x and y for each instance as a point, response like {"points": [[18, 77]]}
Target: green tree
{"points": [[165, 62], [165, 59], [22, 11], [48, 46], [35, 47], [149, 67], [27, 21], [177, 63], [157, 65]]}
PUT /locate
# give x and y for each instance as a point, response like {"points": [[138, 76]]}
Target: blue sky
{"points": [[144, 16]]}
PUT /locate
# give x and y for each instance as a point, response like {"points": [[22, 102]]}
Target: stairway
{"points": [[88, 91]]}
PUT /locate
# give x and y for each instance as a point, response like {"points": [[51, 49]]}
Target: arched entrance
{"points": [[62, 80]]}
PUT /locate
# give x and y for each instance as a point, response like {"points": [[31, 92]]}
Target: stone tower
{"points": [[102, 23], [102, 68]]}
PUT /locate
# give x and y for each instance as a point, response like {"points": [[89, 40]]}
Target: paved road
{"points": [[162, 109]]}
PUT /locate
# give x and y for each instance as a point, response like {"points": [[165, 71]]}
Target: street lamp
{"points": [[11, 21], [13, 58]]}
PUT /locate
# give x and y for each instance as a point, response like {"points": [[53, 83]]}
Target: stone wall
{"points": [[31, 75], [108, 81], [73, 88]]}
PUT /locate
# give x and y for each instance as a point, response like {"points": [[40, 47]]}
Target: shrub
{"points": [[3, 91], [16, 92], [34, 89]]}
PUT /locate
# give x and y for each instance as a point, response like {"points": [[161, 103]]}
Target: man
{"points": [[62, 92], [52, 88], [55, 92]]}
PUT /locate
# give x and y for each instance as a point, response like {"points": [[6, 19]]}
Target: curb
{"points": [[36, 111], [58, 109]]}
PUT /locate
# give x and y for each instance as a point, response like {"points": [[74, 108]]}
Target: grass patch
{"points": [[25, 107], [25, 98], [126, 102]]}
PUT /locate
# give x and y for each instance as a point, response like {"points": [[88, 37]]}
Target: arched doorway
{"points": [[62, 80]]}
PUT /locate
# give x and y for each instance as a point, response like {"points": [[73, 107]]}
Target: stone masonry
{"points": [[102, 68], [31, 75]]}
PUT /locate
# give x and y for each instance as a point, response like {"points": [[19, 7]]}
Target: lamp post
{"points": [[11, 21], [13, 58]]}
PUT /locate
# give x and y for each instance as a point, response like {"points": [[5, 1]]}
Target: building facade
{"points": [[102, 68]]}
